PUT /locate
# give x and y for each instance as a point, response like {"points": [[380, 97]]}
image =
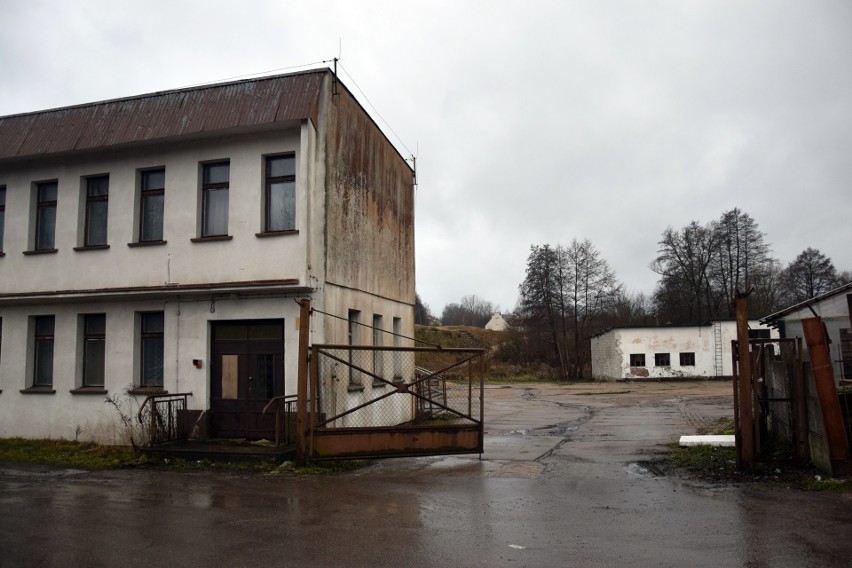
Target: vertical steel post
{"points": [[829, 402], [302, 388], [745, 397], [800, 403]]}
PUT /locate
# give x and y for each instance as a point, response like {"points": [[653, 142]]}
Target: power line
{"points": [[372, 106]]}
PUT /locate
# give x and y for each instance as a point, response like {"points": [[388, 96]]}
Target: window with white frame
{"points": [[94, 349], [45, 225], [2, 215], [151, 349], [214, 199], [151, 205], [279, 196], [43, 328], [97, 205]]}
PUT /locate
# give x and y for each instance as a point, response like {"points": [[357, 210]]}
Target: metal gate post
{"points": [[829, 403], [302, 389], [745, 398]]}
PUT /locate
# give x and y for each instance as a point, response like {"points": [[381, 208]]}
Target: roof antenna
{"points": [[336, 59]]}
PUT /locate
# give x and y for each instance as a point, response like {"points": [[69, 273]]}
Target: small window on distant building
{"points": [[637, 359], [662, 360], [97, 201], [687, 359], [280, 194], [758, 334]]}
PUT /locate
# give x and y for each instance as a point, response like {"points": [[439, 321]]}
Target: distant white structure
{"points": [[668, 352], [497, 323]]}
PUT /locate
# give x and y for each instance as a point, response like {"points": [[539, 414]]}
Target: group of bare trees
{"points": [[702, 267], [567, 290], [570, 293]]}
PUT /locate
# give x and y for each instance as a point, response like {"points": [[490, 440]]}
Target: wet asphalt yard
{"points": [[564, 481]]}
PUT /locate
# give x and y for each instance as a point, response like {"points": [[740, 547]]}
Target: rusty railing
{"points": [[164, 417], [285, 415]]}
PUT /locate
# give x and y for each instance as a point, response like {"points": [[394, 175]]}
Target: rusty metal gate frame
{"points": [[401, 440]]}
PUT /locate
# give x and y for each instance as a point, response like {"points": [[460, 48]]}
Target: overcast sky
{"points": [[533, 122]]}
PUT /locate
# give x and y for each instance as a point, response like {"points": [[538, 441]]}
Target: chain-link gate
{"points": [[373, 401]]}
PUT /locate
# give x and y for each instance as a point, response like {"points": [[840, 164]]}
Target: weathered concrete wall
{"points": [[611, 351], [607, 356], [369, 205]]}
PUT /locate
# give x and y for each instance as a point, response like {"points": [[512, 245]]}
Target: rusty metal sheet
{"points": [[168, 114], [396, 442]]}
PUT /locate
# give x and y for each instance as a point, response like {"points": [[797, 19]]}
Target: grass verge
{"points": [[91, 456], [64, 453]]}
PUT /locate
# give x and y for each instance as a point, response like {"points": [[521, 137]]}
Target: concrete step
{"points": [[241, 451]]}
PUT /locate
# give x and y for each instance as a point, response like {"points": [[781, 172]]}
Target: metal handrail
{"points": [[279, 401], [170, 419]]}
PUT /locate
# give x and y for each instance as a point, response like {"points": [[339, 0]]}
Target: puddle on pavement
{"points": [[642, 470]]}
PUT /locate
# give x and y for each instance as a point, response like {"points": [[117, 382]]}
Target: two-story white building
{"points": [[158, 243]]}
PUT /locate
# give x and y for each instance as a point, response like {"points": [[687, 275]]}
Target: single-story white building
{"points": [[685, 351]]}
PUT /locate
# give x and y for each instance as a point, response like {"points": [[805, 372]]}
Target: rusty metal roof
{"points": [[162, 115]]}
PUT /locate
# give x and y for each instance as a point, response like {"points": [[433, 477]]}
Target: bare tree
{"points": [[684, 292], [811, 274], [422, 314], [742, 257], [590, 289], [566, 290], [472, 311]]}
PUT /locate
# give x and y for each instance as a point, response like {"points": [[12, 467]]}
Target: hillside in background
{"points": [[491, 341]]}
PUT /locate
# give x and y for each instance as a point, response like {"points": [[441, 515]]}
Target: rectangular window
{"points": [[397, 342], [214, 199], [354, 338], [152, 195], [43, 351], [637, 359], [687, 359], [2, 214], [280, 194], [151, 372], [662, 360], [97, 199], [378, 356], [759, 334], [46, 195], [94, 349]]}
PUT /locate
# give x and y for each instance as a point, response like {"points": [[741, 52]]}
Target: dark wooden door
{"points": [[247, 370]]}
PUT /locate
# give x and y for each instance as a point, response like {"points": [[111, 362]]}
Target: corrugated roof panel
{"points": [[162, 115]]}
